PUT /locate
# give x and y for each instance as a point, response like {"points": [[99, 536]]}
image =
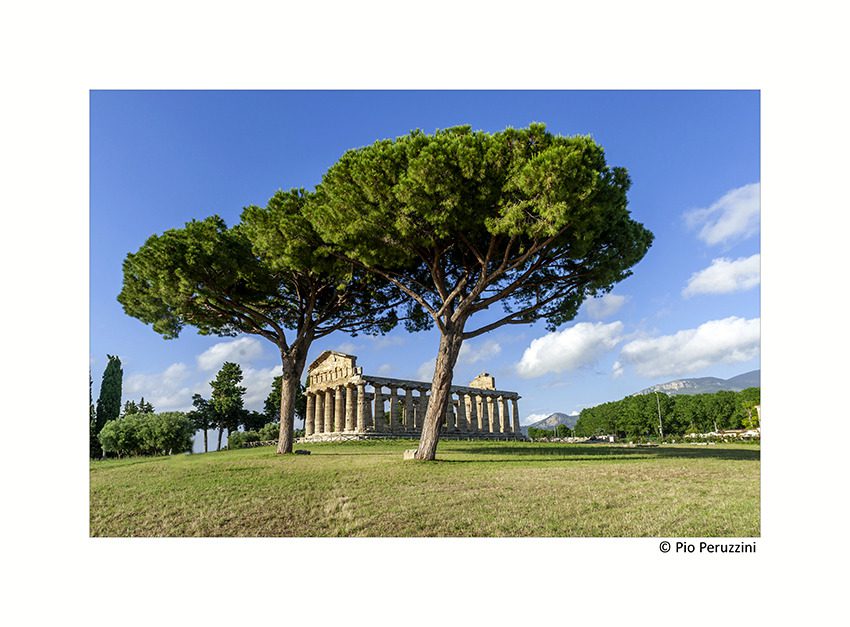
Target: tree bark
{"points": [[206, 450], [450, 344], [220, 432], [292, 363]]}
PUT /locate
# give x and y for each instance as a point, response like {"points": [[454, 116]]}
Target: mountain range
{"points": [[551, 421], [697, 385], [707, 385]]}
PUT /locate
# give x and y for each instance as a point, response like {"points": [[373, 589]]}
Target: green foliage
{"points": [[637, 416], [143, 407], [202, 416], [269, 432], [747, 402], [238, 439], [109, 400], [536, 433], [148, 434], [464, 219], [253, 420], [562, 431], [271, 408]]}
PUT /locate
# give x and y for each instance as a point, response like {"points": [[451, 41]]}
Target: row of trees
{"points": [[560, 431], [225, 409], [437, 230], [656, 414]]}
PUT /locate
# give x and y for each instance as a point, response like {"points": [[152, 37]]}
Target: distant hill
{"points": [[551, 421], [707, 385]]}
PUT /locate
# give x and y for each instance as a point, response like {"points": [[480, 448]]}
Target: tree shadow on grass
{"points": [[561, 453]]}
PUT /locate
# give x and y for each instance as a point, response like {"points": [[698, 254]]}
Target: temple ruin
{"points": [[343, 403]]}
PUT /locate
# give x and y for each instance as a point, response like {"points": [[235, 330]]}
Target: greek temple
{"points": [[343, 403]]}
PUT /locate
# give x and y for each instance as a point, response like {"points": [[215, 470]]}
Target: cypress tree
{"points": [[109, 400], [94, 444]]}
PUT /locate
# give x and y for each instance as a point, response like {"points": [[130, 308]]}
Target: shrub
{"points": [[148, 434], [269, 432], [238, 439]]}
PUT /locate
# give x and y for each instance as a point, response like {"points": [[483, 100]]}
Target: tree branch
{"points": [[513, 318]]}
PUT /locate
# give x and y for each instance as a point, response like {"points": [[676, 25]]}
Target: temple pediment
{"points": [[331, 367]]}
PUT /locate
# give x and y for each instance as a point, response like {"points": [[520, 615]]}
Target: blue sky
{"points": [[159, 159]]}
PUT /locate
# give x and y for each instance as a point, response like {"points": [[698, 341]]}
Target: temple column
{"points": [[350, 416], [417, 411], [339, 408], [308, 414], [379, 409], [392, 423], [408, 409], [491, 414], [473, 413], [461, 413], [502, 411], [449, 418], [361, 407], [319, 414], [515, 407], [329, 410]]}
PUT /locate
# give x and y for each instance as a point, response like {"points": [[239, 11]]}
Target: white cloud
{"points": [[569, 349], [730, 340], [241, 351], [425, 372], [734, 217], [349, 348], [169, 378], [532, 418], [258, 383], [385, 369], [605, 306], [617, 370], [724, 276], [386, 341], [471, 353], [166, 391]]}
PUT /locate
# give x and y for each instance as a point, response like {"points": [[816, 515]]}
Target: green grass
{"points": [[475, 489]]}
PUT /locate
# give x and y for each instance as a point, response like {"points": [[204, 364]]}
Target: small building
{"points": [[343, 403]]}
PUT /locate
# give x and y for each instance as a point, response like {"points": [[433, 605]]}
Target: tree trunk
{"points": [[292, 363], [450, 344], [206, 450], [220, 432]]}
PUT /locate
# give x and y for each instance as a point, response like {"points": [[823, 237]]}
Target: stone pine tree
{"points": [[109, 400], [468, 223], [226, 401], [270, 275]]}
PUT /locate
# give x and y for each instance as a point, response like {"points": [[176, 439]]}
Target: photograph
{"points": [[432, 313]]}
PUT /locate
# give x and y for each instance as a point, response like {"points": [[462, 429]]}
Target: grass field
{"points": [[475, 489]]}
